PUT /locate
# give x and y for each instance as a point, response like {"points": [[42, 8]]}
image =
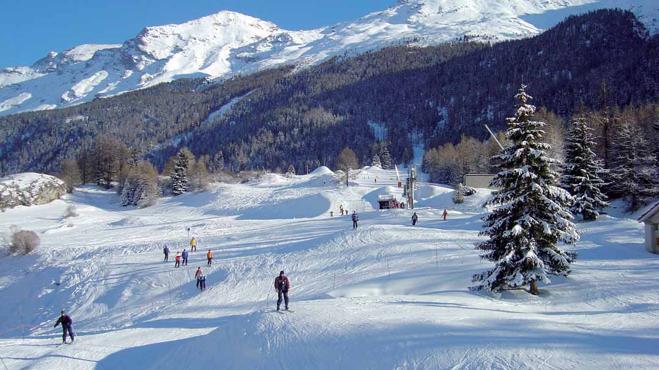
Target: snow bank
{"points": [[322, 170]]}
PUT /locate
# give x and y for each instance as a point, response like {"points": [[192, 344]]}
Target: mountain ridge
{"points": [[227, 43]]}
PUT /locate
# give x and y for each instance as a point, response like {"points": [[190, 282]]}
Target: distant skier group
{"points": [[181, 259]]}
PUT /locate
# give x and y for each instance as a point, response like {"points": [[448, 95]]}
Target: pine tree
{"points": [[217, 163], [376, 161], [581, 172], [385, 157], [180, 174], [531, 212], [635, 167], [459, 194], [126, 197]]}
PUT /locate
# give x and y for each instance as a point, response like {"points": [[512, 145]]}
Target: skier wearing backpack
{"points": [[193, 244], [209, 257], [282, 285], [355, 219], [415, 218], [184, 255], [66, 322], [165, 251]]}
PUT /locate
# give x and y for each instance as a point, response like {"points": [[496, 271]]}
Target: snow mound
{"points": [[127, 221], [428, 191], [322, 170], [271, 179], [29, 188], [307, 206], [444, 200]]}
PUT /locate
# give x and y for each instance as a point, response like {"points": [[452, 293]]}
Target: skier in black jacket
{"points": [[66, 322]]}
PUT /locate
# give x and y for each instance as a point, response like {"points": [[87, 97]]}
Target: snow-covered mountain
{"points": [[226, 43]]}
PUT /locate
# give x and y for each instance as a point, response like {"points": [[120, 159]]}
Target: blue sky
{"points": [[29, 29]]}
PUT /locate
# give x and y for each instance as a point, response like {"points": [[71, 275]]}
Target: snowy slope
{"points": [[226, 43], [384, 296]]}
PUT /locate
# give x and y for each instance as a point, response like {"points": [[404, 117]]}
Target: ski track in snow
{"points": [[387, 295]]}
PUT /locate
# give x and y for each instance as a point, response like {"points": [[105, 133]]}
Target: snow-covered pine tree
{"points": [[127, 193], [635, 167], [458, 194], [581, 172], [180, 175], [530, 214], [385, 158], [375, 162]]}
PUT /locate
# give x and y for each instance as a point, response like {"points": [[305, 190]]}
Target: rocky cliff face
{"points": [[29, 188]]}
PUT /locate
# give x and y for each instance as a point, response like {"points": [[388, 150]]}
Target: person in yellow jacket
{"points": [[193, 244]]}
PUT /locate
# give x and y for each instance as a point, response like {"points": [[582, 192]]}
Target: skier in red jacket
{"points": [[281, 286]]}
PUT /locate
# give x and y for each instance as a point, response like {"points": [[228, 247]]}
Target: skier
{"points": [[341, 209], [185, 257], [282, 285], [209, 257], [193, 244], [199, 275], [444, 214], [355, 219], [66, 322], [415, 218], [165, 250], [178, 260]]}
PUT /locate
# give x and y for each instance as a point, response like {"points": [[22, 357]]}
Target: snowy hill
{"points": [[387, 295], [226, 43]]}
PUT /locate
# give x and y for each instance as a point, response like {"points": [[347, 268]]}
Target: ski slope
{"points": [[384, 296]]}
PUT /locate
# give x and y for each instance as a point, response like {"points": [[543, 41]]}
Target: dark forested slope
{"points": [[430, 95]]}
